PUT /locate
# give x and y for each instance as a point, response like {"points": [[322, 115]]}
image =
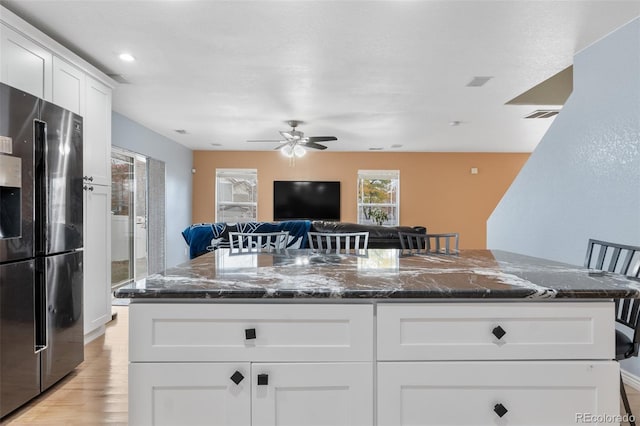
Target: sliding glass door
{"points": [[128, 217]]}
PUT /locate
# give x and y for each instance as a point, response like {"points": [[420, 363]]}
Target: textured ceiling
{"points": [[374, 74]]}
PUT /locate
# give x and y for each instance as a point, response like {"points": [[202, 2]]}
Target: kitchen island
{"points": [[378, 337]]}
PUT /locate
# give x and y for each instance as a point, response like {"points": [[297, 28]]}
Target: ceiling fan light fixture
{"points": [[299, 151], [287, 151]]}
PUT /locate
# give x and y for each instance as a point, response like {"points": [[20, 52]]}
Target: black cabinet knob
{"points": [[237, 377], [263, 379], [500, 410], [250, 333], [498, 332]]}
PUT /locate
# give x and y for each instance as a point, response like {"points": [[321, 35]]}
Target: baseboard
{"points": [[631, 379], [92, 335]]}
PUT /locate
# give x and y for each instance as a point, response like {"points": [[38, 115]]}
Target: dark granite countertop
{"points": [[378, 274]]}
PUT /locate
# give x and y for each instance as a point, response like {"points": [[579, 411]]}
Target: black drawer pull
{"points": [[237, 377], [500, 410], [263, 379], [498, 332], [250, 333]]}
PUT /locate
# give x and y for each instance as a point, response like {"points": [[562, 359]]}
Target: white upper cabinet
{"points": [[97, 132], [25, 64], [68, 86]]}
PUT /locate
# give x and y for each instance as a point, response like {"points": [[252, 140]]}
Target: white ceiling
{"points": [[374, 74]]}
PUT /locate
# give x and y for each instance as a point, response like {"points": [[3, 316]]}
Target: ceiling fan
{"points": [[295, 141]]}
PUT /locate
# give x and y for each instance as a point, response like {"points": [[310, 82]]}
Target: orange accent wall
{"points": [[437, 190]]}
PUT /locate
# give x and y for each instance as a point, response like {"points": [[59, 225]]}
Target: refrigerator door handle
{"points": [[40, 180], [40, 306]]}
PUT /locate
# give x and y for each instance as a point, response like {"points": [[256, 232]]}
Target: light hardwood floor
{"points": [[96, 392]]}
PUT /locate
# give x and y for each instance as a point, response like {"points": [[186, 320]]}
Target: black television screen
{"points": [[313, 200]]}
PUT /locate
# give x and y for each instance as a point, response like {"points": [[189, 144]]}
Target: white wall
{"points": [[583, 179], [178, 160]]}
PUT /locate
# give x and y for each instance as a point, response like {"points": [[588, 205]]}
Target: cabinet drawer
{"points": [[224, 332], [551, 393], [459, 331]]}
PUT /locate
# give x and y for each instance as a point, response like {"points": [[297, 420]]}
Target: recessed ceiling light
{"points": [[215, 144], [396, 145], [455, 123], [376, 149], [126, 57], [181, 131]]}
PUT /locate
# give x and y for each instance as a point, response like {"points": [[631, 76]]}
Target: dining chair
{"points": [[338, 240], [624, 260], [258, 240], [429, 243]]}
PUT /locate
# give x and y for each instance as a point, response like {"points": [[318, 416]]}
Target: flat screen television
{"points": [[313, 200]]}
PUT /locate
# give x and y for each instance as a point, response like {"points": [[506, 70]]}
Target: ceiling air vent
{"points": [[478, 81], [543, 113]]}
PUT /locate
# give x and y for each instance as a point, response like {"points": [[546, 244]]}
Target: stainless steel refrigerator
{"points": [[41, 330]]}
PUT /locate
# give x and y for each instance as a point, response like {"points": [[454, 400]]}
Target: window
{"points": [[236, 195], [378, 197]]}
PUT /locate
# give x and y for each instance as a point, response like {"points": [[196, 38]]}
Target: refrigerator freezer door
{"points": [[20, 366], [65, 332], [59, 174], [18, 110]]}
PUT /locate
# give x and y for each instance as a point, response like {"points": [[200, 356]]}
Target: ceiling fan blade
{"points": [[265, 140], [314, 145], [286, 135], [322, 138]]}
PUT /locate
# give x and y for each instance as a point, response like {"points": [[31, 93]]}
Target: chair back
{"points": [[624, 260], [414, 242], [258, 240], [429, 243], [612, 257], [338, 240]]}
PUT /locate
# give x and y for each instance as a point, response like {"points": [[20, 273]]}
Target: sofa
{"points": [[205, 237], [379, 236]]}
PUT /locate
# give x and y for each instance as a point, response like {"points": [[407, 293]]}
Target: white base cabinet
{"points": [[419, 364], [244, 394], [306, 394], [189, 394], [514, 393]]}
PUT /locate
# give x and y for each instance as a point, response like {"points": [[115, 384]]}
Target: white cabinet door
{"points": [[68, 86], [97, 133], [97, 254], [25, 64], [306, 394], [514, 393], [189, 394]]}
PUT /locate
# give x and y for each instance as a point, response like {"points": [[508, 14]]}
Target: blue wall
{"points": [[129, 135], [583, 179]]}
